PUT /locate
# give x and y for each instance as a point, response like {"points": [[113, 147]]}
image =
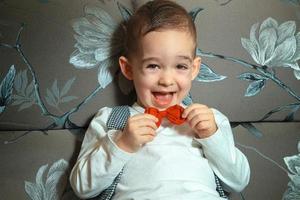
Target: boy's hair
{"points": [[156, 15]]}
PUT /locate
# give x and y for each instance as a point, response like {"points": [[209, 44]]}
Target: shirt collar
{"points": [[138, 108]]}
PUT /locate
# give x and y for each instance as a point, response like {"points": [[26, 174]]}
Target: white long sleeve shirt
{"points": [[172, 166]]}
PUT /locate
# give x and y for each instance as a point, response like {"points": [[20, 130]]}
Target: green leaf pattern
{"points": [[24, 96], [206, 74], [55, 96], [6, 88]]}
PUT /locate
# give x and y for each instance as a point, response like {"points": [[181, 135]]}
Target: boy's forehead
{"points": [[179, 44], [161, 32]]}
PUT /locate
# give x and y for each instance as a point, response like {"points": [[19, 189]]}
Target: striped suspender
{"points": [[117, 120]]}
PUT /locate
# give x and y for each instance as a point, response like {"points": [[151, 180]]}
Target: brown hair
{"points": [[154, 16]]}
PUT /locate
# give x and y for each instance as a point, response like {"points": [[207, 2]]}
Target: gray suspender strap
{"points": [[219, 187], [108, 193], [117, 120]]}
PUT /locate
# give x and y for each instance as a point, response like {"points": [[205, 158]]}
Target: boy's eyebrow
{"points": [[149, 58], [185, 58]]}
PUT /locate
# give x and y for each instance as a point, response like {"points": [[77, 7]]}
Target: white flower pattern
{"points": [[96, 45], [276, 46], [293, 164], [99, 44]]}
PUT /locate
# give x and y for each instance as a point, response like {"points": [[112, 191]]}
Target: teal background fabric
{"points": [[58, 66]]}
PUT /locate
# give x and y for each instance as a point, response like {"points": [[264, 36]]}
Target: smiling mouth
{"points": [[163, 98]]}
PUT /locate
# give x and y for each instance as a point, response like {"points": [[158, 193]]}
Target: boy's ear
{"points": [[196, 67], [125, 67]]}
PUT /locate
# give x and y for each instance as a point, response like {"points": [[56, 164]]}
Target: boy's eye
{"points": [[182, 66], [152, 66]]}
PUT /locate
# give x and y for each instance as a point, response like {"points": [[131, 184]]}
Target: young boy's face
{"points": [[164, 68]]}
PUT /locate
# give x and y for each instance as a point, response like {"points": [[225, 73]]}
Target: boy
{"points": [[160, 160]]}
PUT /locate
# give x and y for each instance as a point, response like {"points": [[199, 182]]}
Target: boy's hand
{"points": [[201, 120], [140, 129]]}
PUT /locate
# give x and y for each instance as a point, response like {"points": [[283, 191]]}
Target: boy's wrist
{"points": [[120, 141], [206, 135], [113, 149]]}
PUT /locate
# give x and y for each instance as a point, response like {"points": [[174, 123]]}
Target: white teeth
{"points": [[164, 92]]}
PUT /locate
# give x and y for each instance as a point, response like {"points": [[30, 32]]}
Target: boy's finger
{"points": [[200, 112], [146, 139], [144, 122], [150, 124], [202, 125], [152, 117], [145, 116], [192, 107], [144, 131], [196, 120]]}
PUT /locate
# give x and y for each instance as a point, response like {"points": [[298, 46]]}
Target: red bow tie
{"points": [[173, 114]]}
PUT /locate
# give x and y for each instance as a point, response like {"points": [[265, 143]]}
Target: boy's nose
{"points": [[166, 79]]}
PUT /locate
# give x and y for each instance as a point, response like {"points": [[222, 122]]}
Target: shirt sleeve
{"points": [[99, 161], [227, 162]]}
